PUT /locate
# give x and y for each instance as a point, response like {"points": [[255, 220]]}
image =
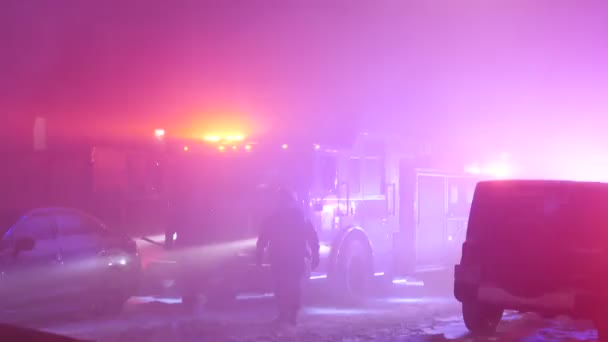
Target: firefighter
{"points": [[290, 238]]}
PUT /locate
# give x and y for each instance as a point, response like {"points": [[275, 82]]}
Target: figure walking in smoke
{"points": [[289, 236]]}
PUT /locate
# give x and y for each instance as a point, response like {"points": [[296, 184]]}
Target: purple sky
{"points": [[467, 71]]}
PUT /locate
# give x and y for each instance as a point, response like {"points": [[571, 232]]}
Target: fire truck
{"points": [[379, 207], [119, 183]]}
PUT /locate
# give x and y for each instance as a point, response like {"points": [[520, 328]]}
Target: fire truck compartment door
{"points": [[431, 220]]}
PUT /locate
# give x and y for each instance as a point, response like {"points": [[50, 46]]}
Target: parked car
{"points": [[535, 246], [65, 256]]}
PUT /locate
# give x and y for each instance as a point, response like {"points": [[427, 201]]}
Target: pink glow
{"points": [[473, 77], [500, 169], [473, 169]]}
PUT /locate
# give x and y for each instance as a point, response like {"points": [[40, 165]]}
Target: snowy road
{"points": [[406, 315]]}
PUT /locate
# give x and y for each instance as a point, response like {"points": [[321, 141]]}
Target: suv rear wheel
{"points": [[481, 318]]}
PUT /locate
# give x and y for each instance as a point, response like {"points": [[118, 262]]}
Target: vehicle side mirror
{"points": [[317, 207], [24, 244]]}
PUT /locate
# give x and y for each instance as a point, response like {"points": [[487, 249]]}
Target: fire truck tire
{"points": [[354, 272]]}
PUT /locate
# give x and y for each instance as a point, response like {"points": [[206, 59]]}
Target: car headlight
{"points": [[118, 259], [118, 262]]}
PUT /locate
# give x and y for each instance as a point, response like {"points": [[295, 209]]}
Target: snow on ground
{"points": [[404, 316]]}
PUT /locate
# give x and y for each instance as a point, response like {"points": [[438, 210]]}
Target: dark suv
{"points": [[535, 246]]}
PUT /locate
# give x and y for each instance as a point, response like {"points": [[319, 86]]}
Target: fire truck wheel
{"points": [[354, 274]]}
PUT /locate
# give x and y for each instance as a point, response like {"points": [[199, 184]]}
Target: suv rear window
{"points": [[540, 211]]}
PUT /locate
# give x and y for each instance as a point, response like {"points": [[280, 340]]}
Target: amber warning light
{"points": [[226, 138], [159, 133]]}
